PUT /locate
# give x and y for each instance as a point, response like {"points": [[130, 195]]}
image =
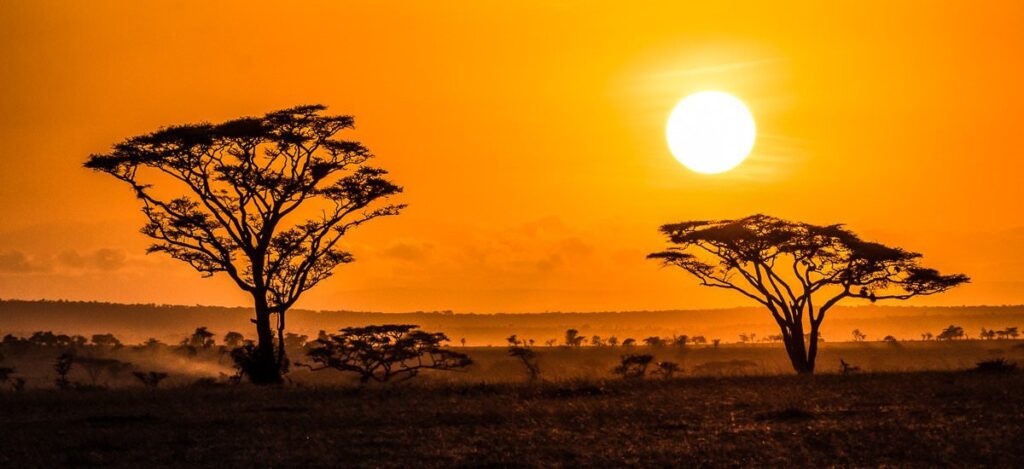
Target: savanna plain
{"points": [[909, 403]]}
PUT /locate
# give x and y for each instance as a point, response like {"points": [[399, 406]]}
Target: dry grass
{"points": [[922, 419]]}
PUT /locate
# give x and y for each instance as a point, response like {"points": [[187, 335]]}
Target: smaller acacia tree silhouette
{"points": [[654, 341], [858, 336], [951, 333], [633, 366], [106, 341], [381, 353], [63, 368], [520, 350], [233, 340], [573, 338], [1008, 333], [797, 271], [201, 338]]}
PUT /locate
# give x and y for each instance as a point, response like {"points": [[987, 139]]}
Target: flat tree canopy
{"points": [[264, 200], [797, 271]]}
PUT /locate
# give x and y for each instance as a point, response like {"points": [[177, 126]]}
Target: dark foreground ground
{"points": [[916, 419]]}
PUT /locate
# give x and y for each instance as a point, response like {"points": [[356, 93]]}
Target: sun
{"points": [[710, 132]]}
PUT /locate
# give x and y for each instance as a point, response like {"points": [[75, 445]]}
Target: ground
{"points": [[916, 419]]}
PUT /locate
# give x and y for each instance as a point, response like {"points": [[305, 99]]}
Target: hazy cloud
{"points": [[408, 251], [16, 262], [100, 259]]}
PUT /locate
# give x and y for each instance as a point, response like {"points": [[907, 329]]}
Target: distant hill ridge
{"points": [[136, 322]]}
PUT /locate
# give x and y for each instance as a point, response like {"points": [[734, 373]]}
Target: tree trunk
{"points": [[798, 355], [812, 347], [264, 368]]}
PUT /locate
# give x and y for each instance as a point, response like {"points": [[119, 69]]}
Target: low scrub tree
{"points": [[573, 338], [381, 353], [633, 366], [106, 341], [951, 333], [654, 341], [233, 340], [63, 367], [523, 352]]}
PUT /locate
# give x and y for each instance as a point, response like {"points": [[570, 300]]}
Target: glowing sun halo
{"points": [[710, 132]]}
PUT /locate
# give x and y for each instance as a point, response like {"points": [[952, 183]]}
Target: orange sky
{"points": [[529, 138]]}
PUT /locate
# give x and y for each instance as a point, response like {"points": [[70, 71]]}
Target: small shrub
{"points": [[520, 350], [997, 365], [633, 366], [63, 367]]}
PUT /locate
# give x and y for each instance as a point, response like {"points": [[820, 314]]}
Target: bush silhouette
{"points": [[633, 366], [63, 367], [998, 365], [381, 353], [523, 352]]}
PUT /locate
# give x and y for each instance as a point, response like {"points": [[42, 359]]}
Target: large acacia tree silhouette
{"points": [[797, 271], [237, 186]]}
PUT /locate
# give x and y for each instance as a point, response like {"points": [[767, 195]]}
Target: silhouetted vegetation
{"points": [[573, 338], [846, 368], [380, 353], [951, 333], [242, 179], [521, 351], [667, 369], [63, 367], [755, 255], [997, 365], [633, 366]]}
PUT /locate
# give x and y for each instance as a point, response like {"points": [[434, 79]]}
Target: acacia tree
{"points": [[797, 271], [265, 200], [380, 353]]}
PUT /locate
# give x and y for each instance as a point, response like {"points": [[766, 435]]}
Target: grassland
{"points": [[905, 419]]}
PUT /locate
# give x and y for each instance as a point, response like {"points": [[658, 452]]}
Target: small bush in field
{"points": [[998, 365], [633, 366], [63, 367]]}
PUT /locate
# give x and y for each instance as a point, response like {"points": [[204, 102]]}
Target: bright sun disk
{"points": [[710, 132]]}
